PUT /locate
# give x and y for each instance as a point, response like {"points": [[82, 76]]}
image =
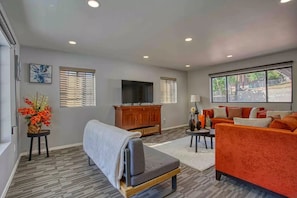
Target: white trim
{"points": [[11, 177], [53, 148], [174, 127]]}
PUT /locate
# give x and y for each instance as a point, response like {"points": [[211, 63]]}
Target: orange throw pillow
{"points": [[291, 121], [279, 124], [234, 112]]}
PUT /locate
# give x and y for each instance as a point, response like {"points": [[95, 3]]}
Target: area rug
{"points": [[180, 149]]}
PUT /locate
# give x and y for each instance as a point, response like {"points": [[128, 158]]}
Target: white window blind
{"points": [[168, 90], [77, 87]]}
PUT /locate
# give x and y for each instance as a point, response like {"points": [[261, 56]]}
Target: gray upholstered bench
{"points": [[146, 167]]}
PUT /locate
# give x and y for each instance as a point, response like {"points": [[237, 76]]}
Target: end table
{"points": [[43, 132]]}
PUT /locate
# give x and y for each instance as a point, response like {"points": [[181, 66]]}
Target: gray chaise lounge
{"points": [[146, 167]]}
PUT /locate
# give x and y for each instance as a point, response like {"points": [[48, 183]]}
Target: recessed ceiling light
{"points": [[72, 42], [93, 3], [188, 66], [285, 1], [188, 39], [146, 57], [229, 56]]}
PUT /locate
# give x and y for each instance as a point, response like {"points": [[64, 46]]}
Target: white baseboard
{"points": [[11, 177], [175, 127], [52, 148]]}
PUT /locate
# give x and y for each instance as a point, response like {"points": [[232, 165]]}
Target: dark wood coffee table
{"points": [[212, 134], [196, 133]]}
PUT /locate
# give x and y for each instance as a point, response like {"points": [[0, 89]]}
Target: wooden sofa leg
{"points": [[218, 175]]}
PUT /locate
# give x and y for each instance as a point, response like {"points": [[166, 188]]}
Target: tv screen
{"points": [[137, 92]]}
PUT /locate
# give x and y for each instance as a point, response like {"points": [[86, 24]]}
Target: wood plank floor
{"points": [[66, 174]]}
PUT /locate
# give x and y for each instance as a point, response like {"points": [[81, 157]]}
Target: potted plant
{"points": [[38, 113]]}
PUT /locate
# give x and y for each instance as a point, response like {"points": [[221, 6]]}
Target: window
{"points": [[168, 90], [77, 87], [270, 83], [250, 87], [279, 85], [219, 89]]}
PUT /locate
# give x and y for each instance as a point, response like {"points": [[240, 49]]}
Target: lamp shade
{"points": [[195, 98]]}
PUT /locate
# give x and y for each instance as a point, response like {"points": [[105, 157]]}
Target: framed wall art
{"points": [[40, 73]]}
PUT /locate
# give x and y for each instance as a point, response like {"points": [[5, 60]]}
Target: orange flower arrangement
{"points": [[38, 111]]}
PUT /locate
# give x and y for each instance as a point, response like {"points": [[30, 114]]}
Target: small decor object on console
{"points": [[38, 113]]}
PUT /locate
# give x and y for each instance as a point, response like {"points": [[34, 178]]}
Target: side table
{"points": [[196, 133], [44, 133]]}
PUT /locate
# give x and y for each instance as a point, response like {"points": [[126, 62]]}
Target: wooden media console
{"points": [[145, 119]]}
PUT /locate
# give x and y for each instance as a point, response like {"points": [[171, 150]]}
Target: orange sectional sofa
{"points": [[262, 156], [245, 113]]}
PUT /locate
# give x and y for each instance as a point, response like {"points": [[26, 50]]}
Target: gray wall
{"points": [[200, 77], [68, 123]]}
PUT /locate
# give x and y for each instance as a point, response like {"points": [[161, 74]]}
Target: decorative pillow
{"points": [[279, 124], [257, 122], [275, 117], [281, 113], [291, 121], [219, 112], [253, 112], [234, 112]]}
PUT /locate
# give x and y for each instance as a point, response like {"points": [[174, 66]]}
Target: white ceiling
{"points": [[128, 29]]}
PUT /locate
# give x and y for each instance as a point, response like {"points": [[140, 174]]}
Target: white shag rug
{"points": [[180, 149]]}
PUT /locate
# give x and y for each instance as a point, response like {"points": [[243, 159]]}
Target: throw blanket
{"points": [[105, 145]]}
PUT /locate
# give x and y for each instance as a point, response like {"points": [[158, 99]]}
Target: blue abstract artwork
{"points": [[40, 73]]}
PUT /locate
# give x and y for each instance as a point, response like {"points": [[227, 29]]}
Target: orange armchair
{"points": [[262, 156]]}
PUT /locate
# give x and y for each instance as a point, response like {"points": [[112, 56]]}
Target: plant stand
{"points": [[44, 133]]}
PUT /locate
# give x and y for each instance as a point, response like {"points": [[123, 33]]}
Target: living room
{"points": [[68, 123]]}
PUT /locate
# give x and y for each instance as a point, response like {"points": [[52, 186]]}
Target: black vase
{"points": [[198, 125], [192, 124]]}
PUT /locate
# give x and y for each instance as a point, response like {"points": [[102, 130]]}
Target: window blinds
{"points": [[168, 90], [77, 87]]}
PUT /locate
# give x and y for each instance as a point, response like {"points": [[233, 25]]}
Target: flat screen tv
{"points": [[137, 92]]}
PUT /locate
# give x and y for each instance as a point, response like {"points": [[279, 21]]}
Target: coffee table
{"points": [[212, 134], [196, 133]]}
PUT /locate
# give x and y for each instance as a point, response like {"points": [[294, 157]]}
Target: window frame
{"points": [[80, 79], [264, 68], [163, 96]]}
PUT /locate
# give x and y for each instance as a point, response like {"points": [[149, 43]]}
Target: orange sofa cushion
{"points": [[215, 121], [245, 113]]}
